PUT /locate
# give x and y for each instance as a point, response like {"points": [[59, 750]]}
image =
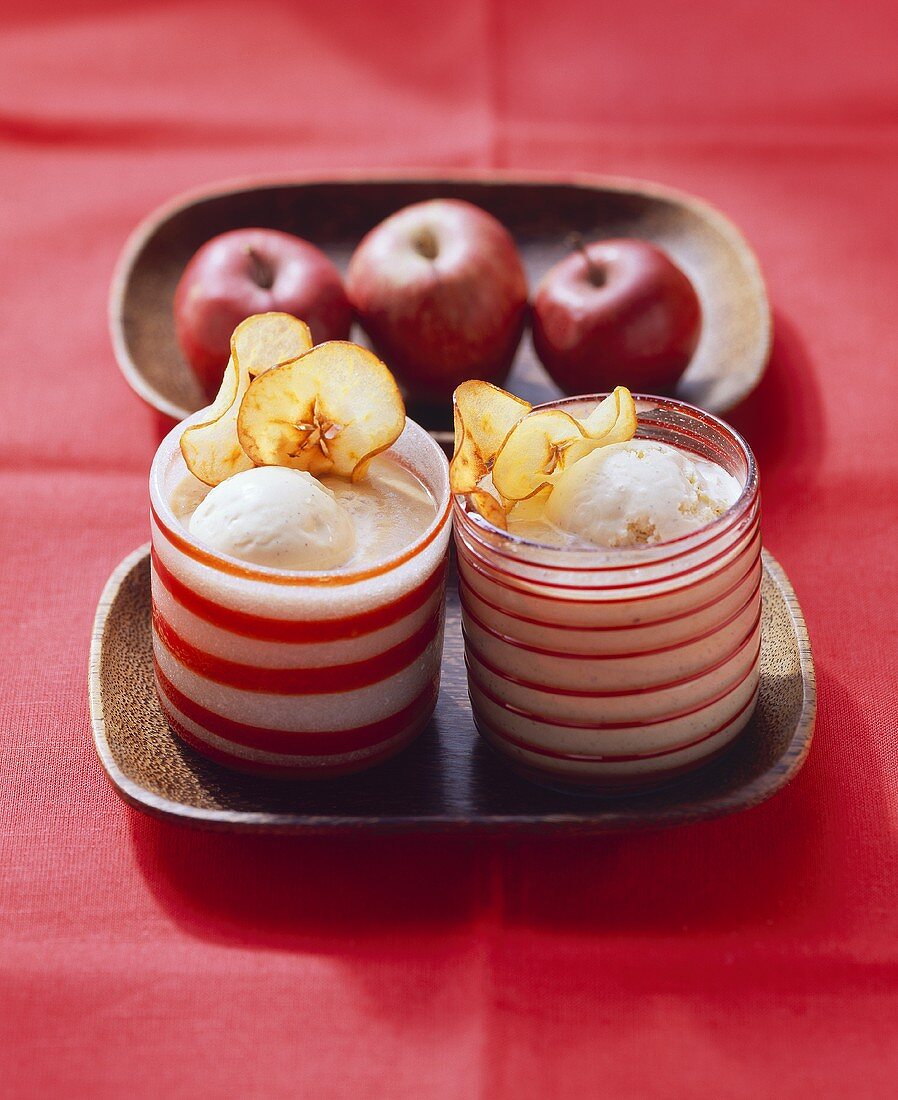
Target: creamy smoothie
{"points": [[287, 519]]}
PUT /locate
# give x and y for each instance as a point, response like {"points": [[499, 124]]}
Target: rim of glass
{"points": [[707, 533], [180, 538]]}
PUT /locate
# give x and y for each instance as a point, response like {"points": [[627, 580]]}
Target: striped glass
{"points": [[294, 673], [618, 668]]}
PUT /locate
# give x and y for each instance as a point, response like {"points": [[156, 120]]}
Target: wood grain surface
{"points": [[448, 779]]}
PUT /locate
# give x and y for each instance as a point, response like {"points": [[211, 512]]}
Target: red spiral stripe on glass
{"points": [[321, 680], [290, 631], [299, 742], [548, 689], [611, 758], [469, 553], [463, 583], [283, 771], [615, 727], [561, 655]]}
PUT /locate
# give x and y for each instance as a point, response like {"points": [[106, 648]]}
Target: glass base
{"points": [[596, 788]]}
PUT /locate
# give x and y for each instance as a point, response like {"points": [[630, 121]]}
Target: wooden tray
{"points": [[448, 779], [540, 213]]}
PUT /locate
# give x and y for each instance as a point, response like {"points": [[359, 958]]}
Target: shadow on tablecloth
{"points": [[774, 864], [782, 420]]}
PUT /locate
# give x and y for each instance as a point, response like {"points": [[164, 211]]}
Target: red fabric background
{"points": [[752, 956]]}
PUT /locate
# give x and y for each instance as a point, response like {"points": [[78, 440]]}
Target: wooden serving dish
{"points": [[540, 213], [448, 779]]}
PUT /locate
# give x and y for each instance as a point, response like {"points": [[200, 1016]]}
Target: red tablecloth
{"points": [[752, 956]]}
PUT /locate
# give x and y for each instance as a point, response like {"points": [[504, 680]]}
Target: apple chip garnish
{"points": [[212, 449], [329, 411], [266, 339], [613, 420], [484, 415], [531, 509], [542, 445], [534, 453], [487, 506]]}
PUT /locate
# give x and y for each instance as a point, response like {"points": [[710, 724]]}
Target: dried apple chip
{"points": [[534, 453], [613, 420], [547, 441], [483, 416], [266, 339], [488, 507], [329, 411], [532, 509], [211, 449], [227, 392]]}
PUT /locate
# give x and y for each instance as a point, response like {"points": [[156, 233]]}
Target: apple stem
{"points": [[426, 245], [262, 273], [596, 274]]}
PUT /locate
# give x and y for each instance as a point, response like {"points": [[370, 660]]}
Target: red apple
{"points": [[441, 292], [251, 271], [616, 312]]}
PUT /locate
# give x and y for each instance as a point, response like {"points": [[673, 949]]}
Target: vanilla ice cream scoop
{"points": [[639, 492], [275, 516]]}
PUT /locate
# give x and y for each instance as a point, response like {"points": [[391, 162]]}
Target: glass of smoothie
{"points": [[298, 619], [612, 628]]}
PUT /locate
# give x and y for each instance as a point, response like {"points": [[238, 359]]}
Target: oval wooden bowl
{"points": [[446, 780], [541, 214]]}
